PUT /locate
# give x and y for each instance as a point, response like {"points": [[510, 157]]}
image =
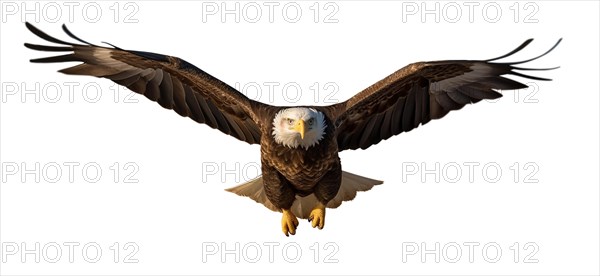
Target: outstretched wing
{"points": [[420, 92], [172, 82]]}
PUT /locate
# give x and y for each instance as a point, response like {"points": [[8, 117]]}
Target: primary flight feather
{"points": [[301, 170]]}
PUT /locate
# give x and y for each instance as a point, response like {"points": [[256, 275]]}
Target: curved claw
{"points": [[317, 216], [289, 222]]}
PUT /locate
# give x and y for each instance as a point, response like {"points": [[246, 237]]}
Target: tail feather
{"points": [[254, 190], [351, 184]]}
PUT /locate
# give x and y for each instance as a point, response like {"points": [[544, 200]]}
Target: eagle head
{"points": [[299, 126]]}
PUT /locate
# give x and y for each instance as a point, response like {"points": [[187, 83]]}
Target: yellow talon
{"points": [[289, 222], [317, 216]]}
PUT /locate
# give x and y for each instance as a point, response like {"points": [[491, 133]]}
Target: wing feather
{"points": [[446, 102], [172, 82], [459, 97], [179, 103], [397, 116], [420, 92], [409, 112]]}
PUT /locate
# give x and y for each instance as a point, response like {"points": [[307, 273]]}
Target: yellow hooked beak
{"points": [[300, 128]]}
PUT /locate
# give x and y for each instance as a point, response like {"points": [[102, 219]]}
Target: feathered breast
{"points": [[302, 167]]}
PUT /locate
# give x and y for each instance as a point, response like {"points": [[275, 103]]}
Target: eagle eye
{"points": [[311, 121], [290, 121]]}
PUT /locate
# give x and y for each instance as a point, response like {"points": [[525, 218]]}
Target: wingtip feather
{"points": [[545, 53], [69, 33], [521, 47]]}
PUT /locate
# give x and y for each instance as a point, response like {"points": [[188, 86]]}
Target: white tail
{"points": [[351, 183]]}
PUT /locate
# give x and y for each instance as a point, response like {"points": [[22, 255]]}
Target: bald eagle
{"points": [[301, 170]]}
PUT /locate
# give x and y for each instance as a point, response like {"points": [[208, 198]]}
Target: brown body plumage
{"points": [[298, 181], [296, 171]]}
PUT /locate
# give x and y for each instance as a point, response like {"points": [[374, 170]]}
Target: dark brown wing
{"points": [[172, 82], [420, 92]]}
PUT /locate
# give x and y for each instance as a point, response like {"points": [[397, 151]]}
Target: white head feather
{"points": [[286, 120]]}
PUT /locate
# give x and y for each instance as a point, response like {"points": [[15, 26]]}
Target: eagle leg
{"points": [[317, 216], [289, 222]]}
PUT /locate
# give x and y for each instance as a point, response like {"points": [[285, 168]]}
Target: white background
{"points": [[177, 208]]}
